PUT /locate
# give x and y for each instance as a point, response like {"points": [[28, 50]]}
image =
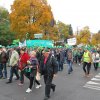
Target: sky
{"points": [[78, 13]]}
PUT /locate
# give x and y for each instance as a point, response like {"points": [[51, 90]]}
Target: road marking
{"points": [[94, 83], [97, 76], [92, 87], [95, 79]]}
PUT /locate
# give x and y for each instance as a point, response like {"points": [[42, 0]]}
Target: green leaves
{"points": [[64, 30], [6, 36]]}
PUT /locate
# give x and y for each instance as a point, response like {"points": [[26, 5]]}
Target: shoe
{"points": [[38, 86], [20, 84], [46, 98], [53, 88], [28, 90], [71, 70], [8, 82]]}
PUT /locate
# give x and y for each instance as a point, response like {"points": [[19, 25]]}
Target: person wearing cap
{"points": [[87, 60], [48, 68]]}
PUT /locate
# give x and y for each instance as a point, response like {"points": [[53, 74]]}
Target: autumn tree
{"points": [[30, 16], [6, 36], [84, 36], [95, 39], [63, 30], [54, 33]]}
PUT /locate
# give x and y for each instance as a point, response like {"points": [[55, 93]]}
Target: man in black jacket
{"points": [[1, 68], [48, 68], [3, 62]]}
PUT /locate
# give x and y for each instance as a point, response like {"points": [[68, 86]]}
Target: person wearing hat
{"points": [[48, 68], [87, 60]]}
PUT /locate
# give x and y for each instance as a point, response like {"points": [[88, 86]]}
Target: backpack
{"points": [[54, 63]]}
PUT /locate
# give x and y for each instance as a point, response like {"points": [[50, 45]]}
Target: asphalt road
{"points": [[69, 87]]}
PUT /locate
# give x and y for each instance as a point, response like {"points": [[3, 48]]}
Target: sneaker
{"points": [[68, 72], [28, 90], [38, 86]]}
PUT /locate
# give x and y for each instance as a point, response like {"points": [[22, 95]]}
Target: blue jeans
{"points": [[59, 66], [5, 70], [22, 76], [70, 69], [13, 70], [1, 68]]}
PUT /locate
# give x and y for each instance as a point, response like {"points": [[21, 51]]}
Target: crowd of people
{"points": [[31, 63]]}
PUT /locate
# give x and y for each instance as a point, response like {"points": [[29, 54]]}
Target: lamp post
{"points": [[32, 19], [26, 37], [32, 14]]}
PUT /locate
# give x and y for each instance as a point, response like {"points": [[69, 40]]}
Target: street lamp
{"points": [[26, 37], [32, 15]]}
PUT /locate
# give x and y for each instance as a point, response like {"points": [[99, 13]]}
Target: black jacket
{"points": [[3, 57], [51, 66]]}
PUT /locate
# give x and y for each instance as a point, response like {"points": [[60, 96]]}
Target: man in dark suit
{"points": [[48, 68]]}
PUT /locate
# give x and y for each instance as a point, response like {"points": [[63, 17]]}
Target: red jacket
{"points": [[23, 61]]}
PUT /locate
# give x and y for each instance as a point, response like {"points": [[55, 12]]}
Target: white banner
{"points": [[71, 41], [38, 35], [22, 44]]}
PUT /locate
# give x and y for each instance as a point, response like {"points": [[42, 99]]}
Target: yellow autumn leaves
{"points": [[30, 16]]}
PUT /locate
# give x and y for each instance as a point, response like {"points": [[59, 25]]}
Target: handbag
{"points": [[38, 76], [27, 69], [96, 58]]}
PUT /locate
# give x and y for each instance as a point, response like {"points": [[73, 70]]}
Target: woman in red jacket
{"points": [[24, 57]]}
